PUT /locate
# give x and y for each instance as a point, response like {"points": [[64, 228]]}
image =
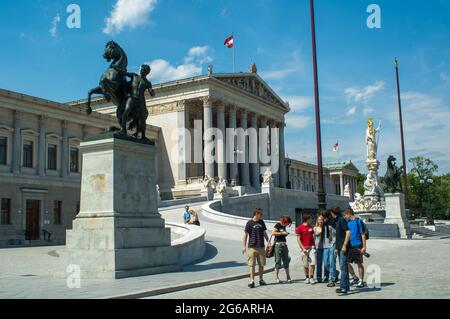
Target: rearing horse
{"points": [[113, 83], [392, 179]]}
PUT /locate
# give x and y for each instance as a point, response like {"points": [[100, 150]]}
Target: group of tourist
{"points": [[335, 236]]}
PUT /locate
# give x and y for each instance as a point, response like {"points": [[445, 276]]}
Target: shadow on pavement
{"points": [[218, 265]]}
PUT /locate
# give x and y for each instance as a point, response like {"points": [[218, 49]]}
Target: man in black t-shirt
{"points": [[341, 250], [254, 236]]}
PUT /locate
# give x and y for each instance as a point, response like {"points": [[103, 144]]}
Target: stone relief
{"points": [[252, 86]]}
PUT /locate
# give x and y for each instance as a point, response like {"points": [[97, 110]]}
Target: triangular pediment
{"points": [[253, 84]]}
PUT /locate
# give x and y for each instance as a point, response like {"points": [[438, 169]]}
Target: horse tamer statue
{"points": [[128, 97], [392, 179]]}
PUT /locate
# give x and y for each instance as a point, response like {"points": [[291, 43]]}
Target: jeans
{"points": [[319, 262], [343, 263], [329, 260]]}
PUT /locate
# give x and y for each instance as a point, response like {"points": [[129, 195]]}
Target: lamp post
{"points": [[321, 197]]}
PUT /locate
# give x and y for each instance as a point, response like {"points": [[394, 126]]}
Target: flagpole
{"points": [[405, 177], [321, 196], [234, 53]]}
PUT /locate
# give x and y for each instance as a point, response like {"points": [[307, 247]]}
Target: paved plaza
{"points": [[409, 269]]}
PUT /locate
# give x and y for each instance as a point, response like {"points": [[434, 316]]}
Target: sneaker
{"points": [[354, 281], [360, 284], [307, 281], [262, 282], [312, 281], [251, 284], [341, 291], [331, 284]]}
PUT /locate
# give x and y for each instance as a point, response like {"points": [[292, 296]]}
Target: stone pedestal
{"points": [[396, 213], [207, 192], [119, 232]]}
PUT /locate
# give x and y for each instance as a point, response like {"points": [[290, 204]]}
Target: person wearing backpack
{"points": [[357, 247]]}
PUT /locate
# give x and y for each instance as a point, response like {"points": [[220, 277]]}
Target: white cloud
{"points": [[164, 71], [299, 103], [54, 29], [129, 13], [445, 78], [351, 111], [363, 95], [224, 12], [293, 66], [297, 121], [357, 97]]}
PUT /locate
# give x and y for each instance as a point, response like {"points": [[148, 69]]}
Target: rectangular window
{"points": [[57, 212], [5, 218], [51, 156], [74, 167], [27, 154], [3, 150]]}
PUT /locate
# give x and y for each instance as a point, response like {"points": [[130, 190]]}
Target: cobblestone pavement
{"points": [[409, 269], [416, 268]]}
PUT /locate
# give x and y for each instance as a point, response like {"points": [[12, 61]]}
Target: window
{"points": [[5, 218], [57, 212], [27, 154], [74, 167], [51, 156], [3, 150]]}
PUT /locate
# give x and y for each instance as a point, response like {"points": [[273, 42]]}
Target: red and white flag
{"points": [[336, 147], [229, 42]]}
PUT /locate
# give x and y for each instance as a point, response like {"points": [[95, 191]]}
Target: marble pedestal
{"points": [[119, 232], [396, 213]]}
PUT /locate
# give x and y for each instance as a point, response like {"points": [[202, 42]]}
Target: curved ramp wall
{"points": [[188, 241]]}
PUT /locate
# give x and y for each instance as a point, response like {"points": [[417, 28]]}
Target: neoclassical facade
{"points": [[222, 101], [40, 166], [303, 176]]}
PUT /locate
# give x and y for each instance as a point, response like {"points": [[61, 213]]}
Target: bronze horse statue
{"points": [[392, 178], [114, 86]]}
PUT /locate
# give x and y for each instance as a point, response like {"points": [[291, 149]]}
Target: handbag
{"points": [[270, 251]]}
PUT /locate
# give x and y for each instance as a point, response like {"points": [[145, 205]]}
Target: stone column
{"points": [[244, 174], [220, 145], [282, 157], [207, 125], [263, 148], [341, 181], [17, 137], [253, 151], [231, 145], [42, 147], [274, 142], [64, 151]]}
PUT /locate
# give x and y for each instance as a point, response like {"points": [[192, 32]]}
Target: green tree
{"points": [[360, 185], [421, 185]]}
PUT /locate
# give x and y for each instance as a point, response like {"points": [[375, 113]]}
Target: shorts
{"points": [[310, 258], [256, 255], [355, 256]]}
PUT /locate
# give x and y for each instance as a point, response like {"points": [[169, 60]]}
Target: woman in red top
{"points": [[305, 240]]}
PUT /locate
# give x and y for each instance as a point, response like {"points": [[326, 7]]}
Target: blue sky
{"points": [[181, 37]]}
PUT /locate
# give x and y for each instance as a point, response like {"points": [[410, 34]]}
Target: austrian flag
{"points": [[229, 42], [336, 147]]}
